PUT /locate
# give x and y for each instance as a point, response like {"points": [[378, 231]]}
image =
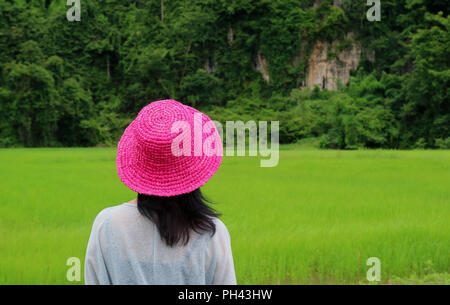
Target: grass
{"points": [[315, 218]]}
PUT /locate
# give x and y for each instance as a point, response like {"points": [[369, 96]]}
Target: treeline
{"points": [[80, 83]]}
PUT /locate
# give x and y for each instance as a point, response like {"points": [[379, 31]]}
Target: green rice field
{"points": [[314, 219]]}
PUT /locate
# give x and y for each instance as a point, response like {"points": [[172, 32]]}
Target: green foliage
{"points": [[443, 143], [79, 83], [202, 88], [427, 107]]}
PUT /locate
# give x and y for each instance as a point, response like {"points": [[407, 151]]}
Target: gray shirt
{"points": [[126, 248]]}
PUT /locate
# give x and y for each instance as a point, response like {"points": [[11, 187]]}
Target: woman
{"points": [[168, 234]]}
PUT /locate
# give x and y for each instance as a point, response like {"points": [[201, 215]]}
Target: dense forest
{"points": [[80, 83]]}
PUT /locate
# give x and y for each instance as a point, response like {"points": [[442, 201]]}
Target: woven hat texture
{"points": [[145, 159]]}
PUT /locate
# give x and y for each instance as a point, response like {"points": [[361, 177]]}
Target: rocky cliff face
{"points": [[329, 64], [260, 64]]}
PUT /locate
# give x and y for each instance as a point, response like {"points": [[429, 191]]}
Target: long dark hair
{"points": [[175, 216]]}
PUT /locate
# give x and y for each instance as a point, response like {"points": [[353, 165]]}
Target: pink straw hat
{"points": [[169, 149]]}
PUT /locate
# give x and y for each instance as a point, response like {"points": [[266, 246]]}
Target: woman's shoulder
{"points": [[220, 241], [112, 211], [221, 228], [219, 224]]}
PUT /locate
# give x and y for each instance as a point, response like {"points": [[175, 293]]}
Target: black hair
{"points": [[176, 216]]}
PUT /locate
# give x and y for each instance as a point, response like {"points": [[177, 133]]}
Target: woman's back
{"points": [[171, 235], [125, 247]]}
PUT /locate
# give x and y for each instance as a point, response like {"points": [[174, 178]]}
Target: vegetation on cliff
{"points": [[79, 83]]}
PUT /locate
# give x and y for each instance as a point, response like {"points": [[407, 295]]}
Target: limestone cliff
{"points": [[260, 64], [330, 64]]}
